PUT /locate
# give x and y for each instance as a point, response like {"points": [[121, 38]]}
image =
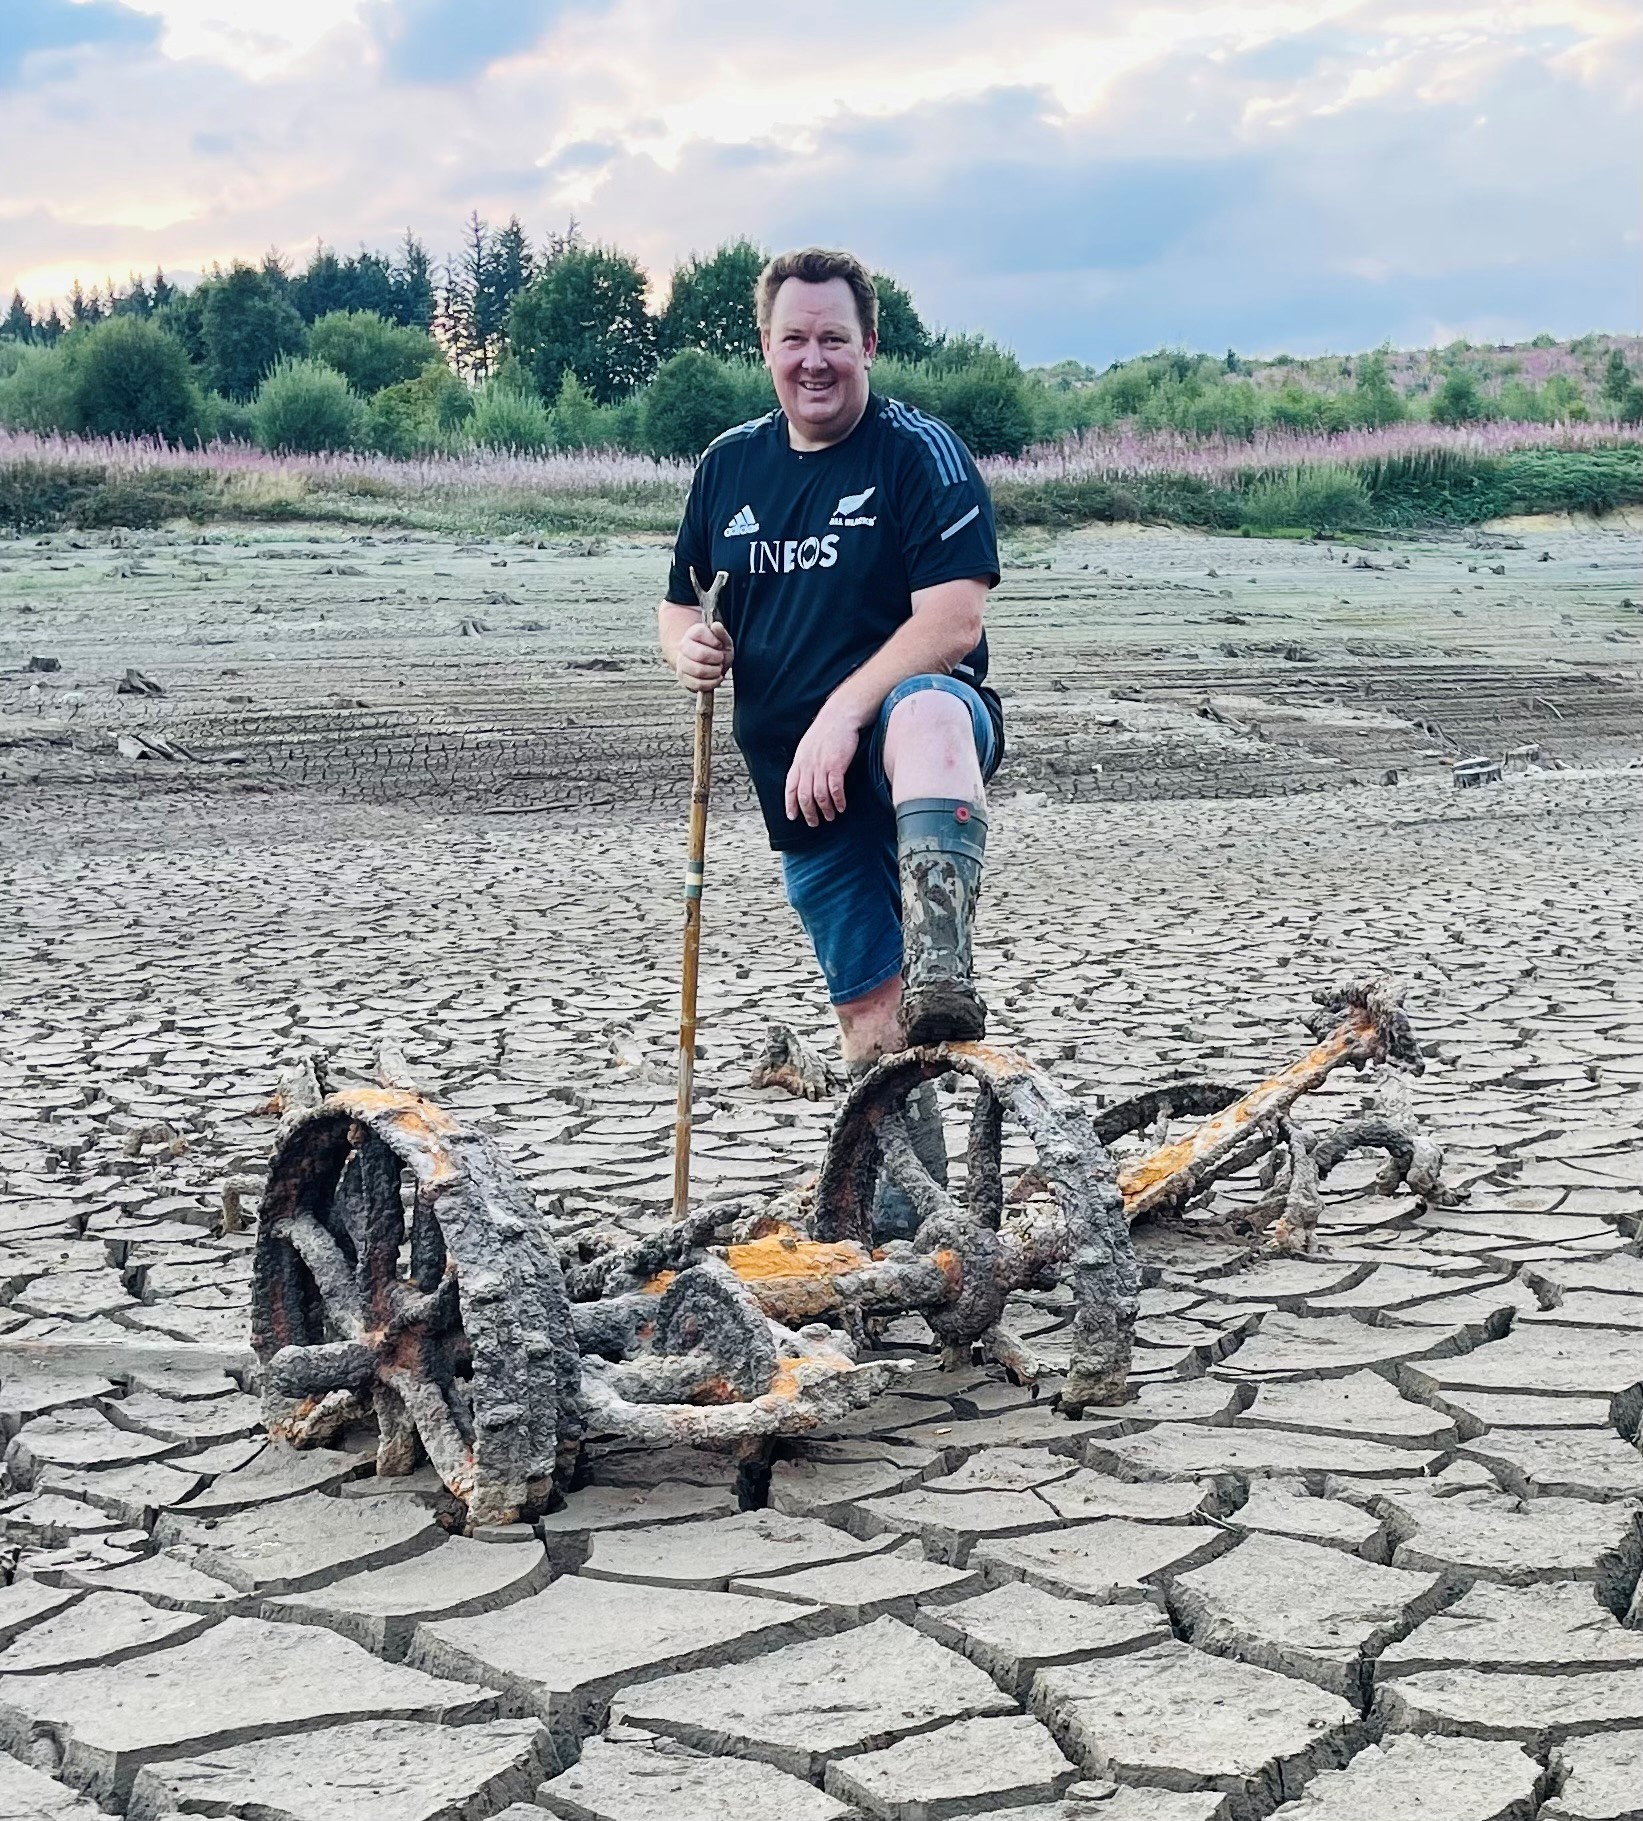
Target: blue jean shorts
{"points": [[847, 890]]}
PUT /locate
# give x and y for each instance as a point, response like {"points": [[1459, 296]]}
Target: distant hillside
{"points": [[1539, 379]]}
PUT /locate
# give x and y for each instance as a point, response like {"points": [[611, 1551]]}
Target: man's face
{"points": [[818, 358]]}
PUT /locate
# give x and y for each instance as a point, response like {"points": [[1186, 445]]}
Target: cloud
{"points": [[1316, 175], [445, 41], [28, 27]]}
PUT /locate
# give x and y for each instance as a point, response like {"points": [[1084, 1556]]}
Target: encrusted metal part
{"points": [[401, 1268], [1356, 1023], [1076, 1222], [400, 1265]]}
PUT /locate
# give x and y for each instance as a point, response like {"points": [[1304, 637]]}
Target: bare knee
{"points": [[930, 715], [931, 733]]}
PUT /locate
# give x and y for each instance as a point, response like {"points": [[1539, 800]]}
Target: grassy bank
{"points": [[1404, 476]]}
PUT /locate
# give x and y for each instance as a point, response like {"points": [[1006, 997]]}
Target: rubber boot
{"points": [[894, 1216], [942, 843]]}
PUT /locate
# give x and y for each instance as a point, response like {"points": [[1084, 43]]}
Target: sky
{"points": [[1083, 179]]}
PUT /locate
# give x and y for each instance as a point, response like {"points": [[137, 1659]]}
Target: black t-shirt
{"points": [[825, 549]]}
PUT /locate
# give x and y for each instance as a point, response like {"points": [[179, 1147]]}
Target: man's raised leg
{"points": [[941, 837]]}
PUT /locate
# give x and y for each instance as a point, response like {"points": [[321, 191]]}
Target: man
{"points": [[860, 546]]}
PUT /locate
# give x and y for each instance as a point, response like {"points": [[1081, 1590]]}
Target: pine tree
{"points": [[369, 282], [466, 319], [84, 307], [162, 291], [51, 328], [135, 300], [507, 268], [18, 324], [413, 282]]}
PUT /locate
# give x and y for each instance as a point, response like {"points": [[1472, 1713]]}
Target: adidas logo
{"points": [[744, 524]]}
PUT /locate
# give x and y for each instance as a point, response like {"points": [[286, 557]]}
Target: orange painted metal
{"points": [[1152, 1180], [799, 1272]]}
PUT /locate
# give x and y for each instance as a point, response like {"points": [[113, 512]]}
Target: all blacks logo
{"points": [[793, 554]]}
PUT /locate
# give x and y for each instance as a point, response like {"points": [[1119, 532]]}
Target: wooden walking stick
{"points": [[701, 779]]}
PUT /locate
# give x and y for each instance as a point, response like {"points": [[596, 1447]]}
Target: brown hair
{"points": [[814, 266]]}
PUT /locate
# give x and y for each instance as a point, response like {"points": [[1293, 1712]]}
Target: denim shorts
{"points": [[847, 890]]}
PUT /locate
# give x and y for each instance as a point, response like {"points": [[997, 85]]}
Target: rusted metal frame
{"points": [[499, 1310], [1173, 1174], [1414, 1159], [1089, 1235], [810, 1392], [1176, 1100], [497, 1440]]}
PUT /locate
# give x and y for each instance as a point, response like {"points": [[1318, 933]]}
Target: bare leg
{"points": [[930, 749], [867, 1026]]}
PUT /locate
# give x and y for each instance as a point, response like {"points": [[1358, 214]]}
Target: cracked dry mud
{"points": [[1365, 1544]]}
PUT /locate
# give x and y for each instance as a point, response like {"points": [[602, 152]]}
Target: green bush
{"points": [[1521, 403], [41, 393], [507, 419], [1177, 499], [370, 352], [1563, 400], [226, 420], [982, 394], [132, 379], [419, 415], [1327, 497], [691, 400], [986, 405], [1570, 480], [575, 415], [621, 426], [1294, 407], [915, 383], [307, 408], [1455, 487], [1459, 401], [42, 496], [14, 354], [755, 395]]}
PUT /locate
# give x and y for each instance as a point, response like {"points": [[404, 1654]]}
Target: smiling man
{"points": [[860, 546]]}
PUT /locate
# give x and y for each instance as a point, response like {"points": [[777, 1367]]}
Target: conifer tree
{"points": [[18, 324], [413, 283]]}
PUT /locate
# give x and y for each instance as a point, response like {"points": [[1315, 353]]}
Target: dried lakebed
{"points": [[1367, 1540]]}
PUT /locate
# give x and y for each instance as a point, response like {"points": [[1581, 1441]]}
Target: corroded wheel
{"points": [[1064, 1211], [401, 1267]]}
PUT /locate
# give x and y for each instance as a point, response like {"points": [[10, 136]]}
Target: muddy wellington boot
{"points": [[942, 842], [894, 1216]]}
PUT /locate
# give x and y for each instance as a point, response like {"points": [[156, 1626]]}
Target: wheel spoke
{"points": [[332, 1273], [984, 1159]]}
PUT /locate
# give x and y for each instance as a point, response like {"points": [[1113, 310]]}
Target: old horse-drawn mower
{"points": [[402, 1270]]}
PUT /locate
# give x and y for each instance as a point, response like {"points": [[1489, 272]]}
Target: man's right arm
{"points": [[697, 654]]}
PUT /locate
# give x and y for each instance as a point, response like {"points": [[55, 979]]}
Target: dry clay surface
{"points": [[1365, 1544]]}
